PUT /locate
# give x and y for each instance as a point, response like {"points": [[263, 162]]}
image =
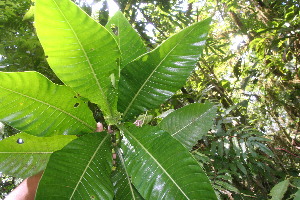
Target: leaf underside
{"points": [[161, 168], [24, 155], [42, 108], [154, 77], [190, 123], [81, 170], [80, 51]]}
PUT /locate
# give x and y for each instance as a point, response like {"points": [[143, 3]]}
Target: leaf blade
{"points": [[129, 41], [74, 45], [169, 176], [27, 106], [152, 78], [81, 170], [31, 156], [190, 123]]}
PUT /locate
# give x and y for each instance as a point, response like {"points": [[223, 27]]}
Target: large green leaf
{"points": [[123, 187], [81, 170], [80, 51], [161, 168], [24, 155], [32, 103], [190, 123], [154, 77], [129, 41]]}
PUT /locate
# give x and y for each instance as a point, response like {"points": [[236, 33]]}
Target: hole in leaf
{"points": [[114, 29], [76, 105], [20, 141], [92, 197], [75, 97]]}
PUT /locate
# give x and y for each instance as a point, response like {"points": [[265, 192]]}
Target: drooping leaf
{"points": [[154, 77], [42, 108], [80, 51], [190, 123], [162, 168], [129, 41], [278, 191], [81, 170], [24, 155], [123, 187]]}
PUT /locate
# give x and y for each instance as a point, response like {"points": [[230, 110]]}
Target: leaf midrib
{"points": [[162, 168], [127, 175], [52, 106], [87, 166], [146, 81], [87, 58]]}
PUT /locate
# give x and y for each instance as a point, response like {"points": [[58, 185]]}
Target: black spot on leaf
{"points": [[76, 105]]}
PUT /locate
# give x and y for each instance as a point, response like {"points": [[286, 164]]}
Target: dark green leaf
{"points": [[123, 187], [161, 168], [81, 170]]}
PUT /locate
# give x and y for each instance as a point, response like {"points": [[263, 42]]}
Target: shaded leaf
{"points": [[24, 155], [123, 187], [43, 108], [190, 123], [161, 168], [81, 170], [154, 77], [80, 51]]}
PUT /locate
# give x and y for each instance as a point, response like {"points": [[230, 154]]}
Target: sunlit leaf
{"points": [[154, 77], [42, 108], [24, 155], [130, 43], [278, 191], [80, 51]]}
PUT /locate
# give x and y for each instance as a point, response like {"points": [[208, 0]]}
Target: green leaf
{"points": [[190, 123], [80, 51], [154, 77], [24, 155], [297, 195], [81, 170], [161, 168], [123, 187], [278, 191], [129, 41], [32, 103]]}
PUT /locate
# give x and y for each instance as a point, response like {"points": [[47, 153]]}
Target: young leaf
{"points": [[42, 108], [161, 168], [190, 123], [81, 170], [152, 78], [278, 191], [24, 155], [80, 51], [129, 41], [123, 187]]}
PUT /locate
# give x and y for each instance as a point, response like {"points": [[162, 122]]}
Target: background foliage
{"points": [[250, 69]]}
